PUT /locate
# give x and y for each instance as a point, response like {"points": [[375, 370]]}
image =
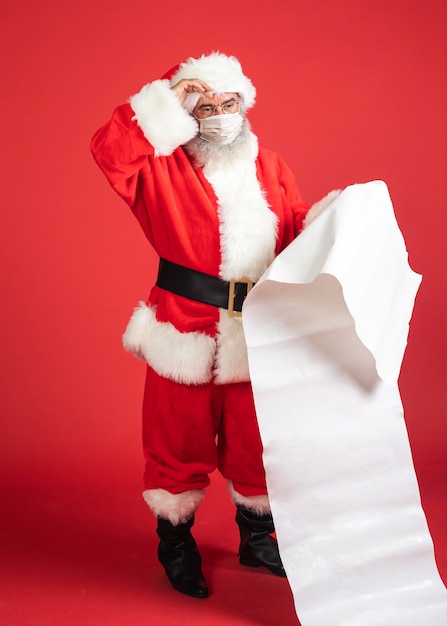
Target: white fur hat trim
{"points": [[221, 72]]}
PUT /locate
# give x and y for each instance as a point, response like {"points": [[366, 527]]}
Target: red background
{"points": [[347, 92]]}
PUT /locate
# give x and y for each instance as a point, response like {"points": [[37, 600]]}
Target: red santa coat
{"points": [[228, 221]]}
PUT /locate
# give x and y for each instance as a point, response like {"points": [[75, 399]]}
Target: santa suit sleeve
{"points": [[152, 124], [303, 213], [293, 197]]}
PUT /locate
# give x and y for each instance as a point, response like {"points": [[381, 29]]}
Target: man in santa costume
{"points": [[217, 208]]}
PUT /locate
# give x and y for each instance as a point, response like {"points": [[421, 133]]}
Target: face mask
{"points": [[221, 129]]}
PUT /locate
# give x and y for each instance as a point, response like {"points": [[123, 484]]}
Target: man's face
{"points": [[216, 105]]}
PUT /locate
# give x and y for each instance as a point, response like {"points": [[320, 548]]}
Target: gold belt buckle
{"points": [[231, 295]]}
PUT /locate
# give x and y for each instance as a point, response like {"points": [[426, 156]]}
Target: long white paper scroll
{"points": [[326, 330]]}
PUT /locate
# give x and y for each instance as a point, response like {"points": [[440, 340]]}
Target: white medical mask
{"points": [[221, 129]]}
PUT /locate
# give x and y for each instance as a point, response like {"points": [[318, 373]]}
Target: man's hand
{"points": [[191, 85]]}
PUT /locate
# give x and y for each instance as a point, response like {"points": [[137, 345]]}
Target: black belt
{"points": [[225, 294]]}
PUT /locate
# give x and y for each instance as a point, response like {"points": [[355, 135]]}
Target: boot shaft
{"points": [[257, 546], [254, 523], [179, 555], [175, 538], [166, 529]]}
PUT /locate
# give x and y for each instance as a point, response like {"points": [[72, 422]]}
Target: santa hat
{"points": [[221, 72]]}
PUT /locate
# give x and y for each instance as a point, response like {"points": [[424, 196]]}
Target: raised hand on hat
{"points": [[191, 85]]}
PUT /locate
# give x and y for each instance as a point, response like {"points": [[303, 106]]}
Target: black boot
{"points": [[180, 557], [257, 546]]}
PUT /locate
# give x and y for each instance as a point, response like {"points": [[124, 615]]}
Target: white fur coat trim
{"points": [[248, 227], [189, 358], [231, 361], [177, 508], [183, 357], [161, 117]]}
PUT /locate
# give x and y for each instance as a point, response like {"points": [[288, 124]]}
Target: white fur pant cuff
{"points": [[258, 504], [176, 507]]}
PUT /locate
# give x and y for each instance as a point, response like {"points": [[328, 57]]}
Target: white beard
{"points": [[217, 156]]}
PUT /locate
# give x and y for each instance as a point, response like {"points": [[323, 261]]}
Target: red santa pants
{"points": [[190, 430]]}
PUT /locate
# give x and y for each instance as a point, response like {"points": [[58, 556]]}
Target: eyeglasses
{"points": [[207, 110]]}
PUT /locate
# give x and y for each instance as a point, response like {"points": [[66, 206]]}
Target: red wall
{"points": [[347, 92]]}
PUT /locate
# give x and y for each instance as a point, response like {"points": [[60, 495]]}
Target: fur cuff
{"points": [[178, 508], [161, 117], [183, 357], [320, 206], [258, 504]]}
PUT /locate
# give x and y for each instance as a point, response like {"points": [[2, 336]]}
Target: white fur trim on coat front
{"points": [[183, 357], [231, 355], [248, 232], [248, 227], [178, 508], [189, 358], [162, 118]]}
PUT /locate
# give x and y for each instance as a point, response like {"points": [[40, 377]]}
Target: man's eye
{"points": [[206, 109]]}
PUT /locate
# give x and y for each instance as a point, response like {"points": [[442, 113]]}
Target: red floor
{"points": [[87, 557]]}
